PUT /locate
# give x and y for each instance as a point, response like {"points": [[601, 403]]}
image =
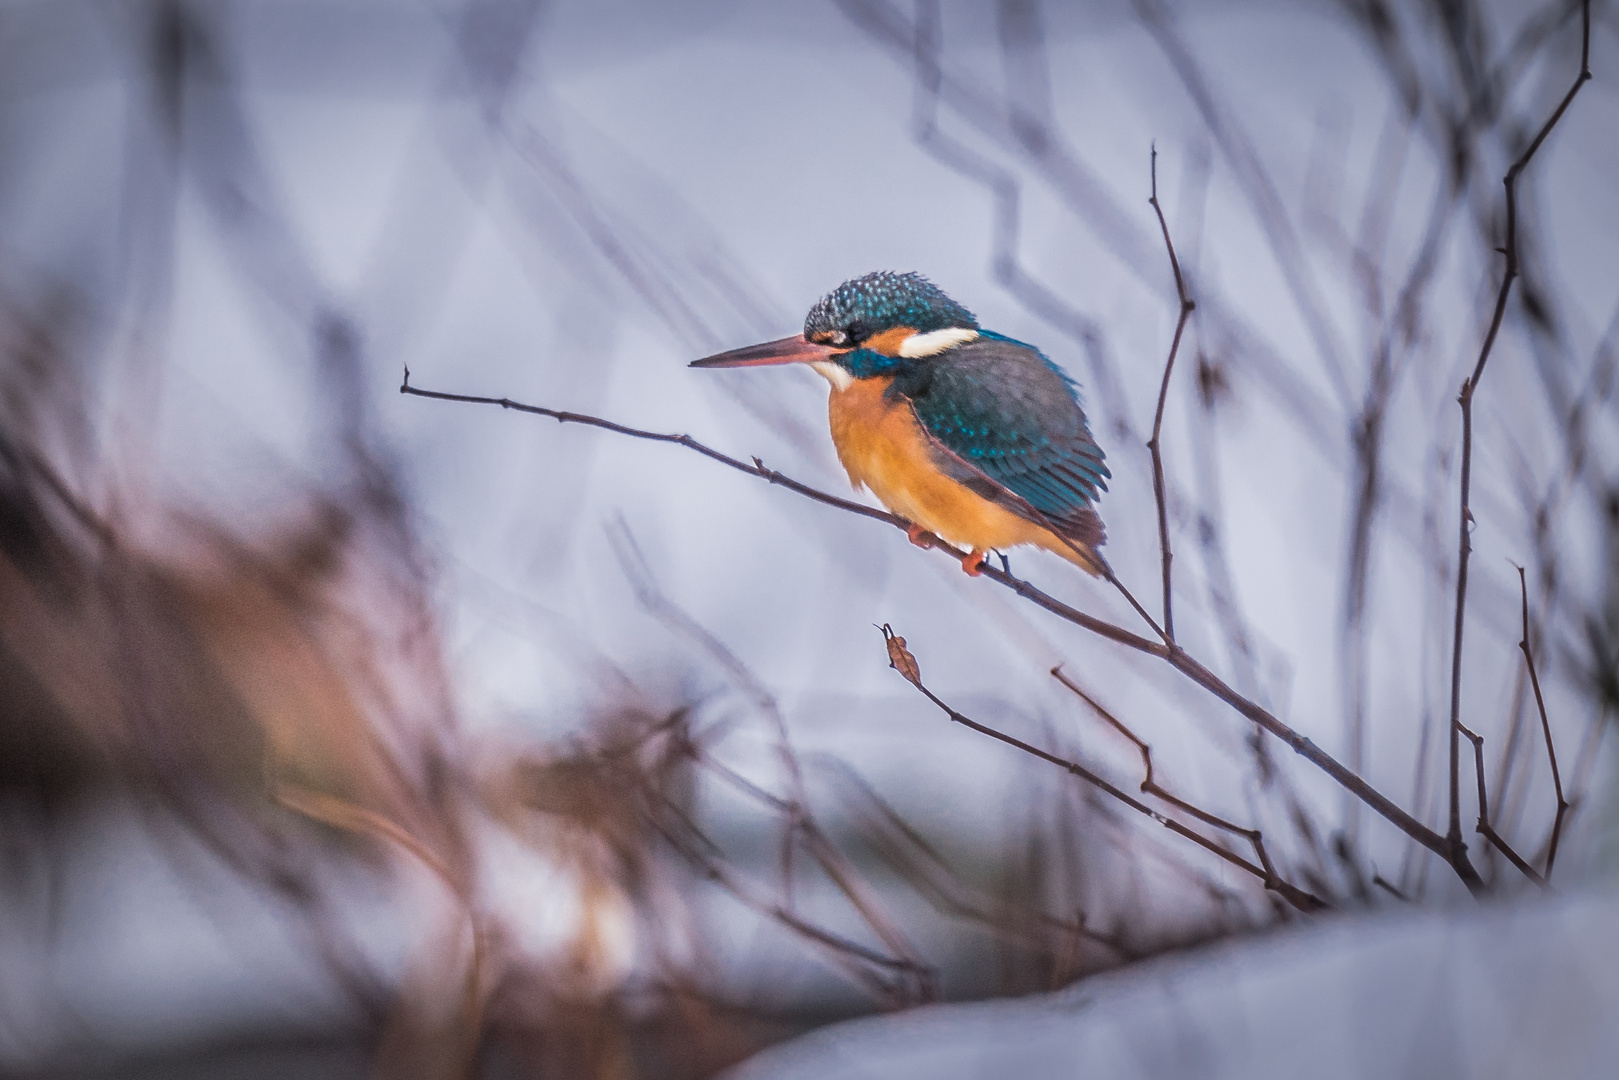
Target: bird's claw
{"points": [[915, 533], [973, 561]]}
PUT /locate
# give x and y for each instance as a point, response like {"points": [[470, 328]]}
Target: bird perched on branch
{"points": [[969, 435]]}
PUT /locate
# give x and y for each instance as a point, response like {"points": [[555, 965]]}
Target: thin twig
{"points": [[1153, 444], [1484, 826], [1584, 760], [902, 661], [1465, 400], [1383, 883], [1152, 787], [1113, 579], [1177, 658], [1545, 727]]}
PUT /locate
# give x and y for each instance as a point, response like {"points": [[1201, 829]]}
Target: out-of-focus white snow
{"points": [[1523, 990]]}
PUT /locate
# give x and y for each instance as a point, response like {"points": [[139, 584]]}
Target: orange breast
{"points": [[883, 447]]}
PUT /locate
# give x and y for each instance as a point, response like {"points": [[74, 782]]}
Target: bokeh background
{"points": [[358, 733]]}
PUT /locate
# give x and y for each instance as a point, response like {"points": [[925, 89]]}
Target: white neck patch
{"points": [[935, 341], [833, 373]]}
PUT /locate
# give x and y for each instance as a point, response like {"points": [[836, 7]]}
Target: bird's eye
{"points": [[855, 332]]}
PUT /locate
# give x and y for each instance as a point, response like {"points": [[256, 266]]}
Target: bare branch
{"points": [[758, 469], [1154, 444], [1545, 727], [1465, 400], [1266, 873], [1484, 826], [1177, 658], [1152, 787]]}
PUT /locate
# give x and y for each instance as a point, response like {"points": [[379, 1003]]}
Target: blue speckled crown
{"points": [[885, 299]]}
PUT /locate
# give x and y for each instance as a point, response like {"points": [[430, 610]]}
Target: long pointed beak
{"points": [[788, 350]]}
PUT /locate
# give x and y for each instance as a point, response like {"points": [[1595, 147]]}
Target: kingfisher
{"points": [[965, 433]]}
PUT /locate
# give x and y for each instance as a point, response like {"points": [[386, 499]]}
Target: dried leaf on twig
{"points": [[899, 657]]}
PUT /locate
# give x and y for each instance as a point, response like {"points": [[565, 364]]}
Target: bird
{"points": [[967, 434]]}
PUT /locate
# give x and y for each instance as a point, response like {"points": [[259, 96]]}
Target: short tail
{"points": [[1078, 539]]}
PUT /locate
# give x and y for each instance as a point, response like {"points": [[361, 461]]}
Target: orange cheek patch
{"points": [[889, 341]]}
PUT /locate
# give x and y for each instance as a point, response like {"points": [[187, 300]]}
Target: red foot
{"points": [[915, 533], [971, 563]]}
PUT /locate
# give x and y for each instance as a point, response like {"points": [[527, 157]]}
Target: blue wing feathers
{"points": [[997, 408]]}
